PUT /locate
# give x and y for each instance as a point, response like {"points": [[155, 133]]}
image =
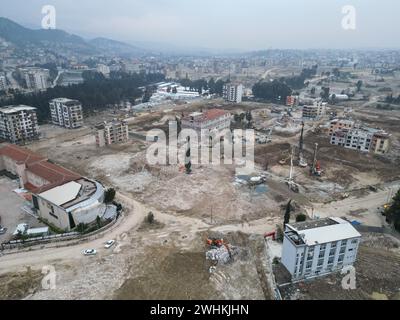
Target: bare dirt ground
{"points": [[377, 275]]}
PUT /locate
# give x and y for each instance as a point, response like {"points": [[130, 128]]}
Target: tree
{"points": [[188, 163], [81, 227], [393, 212], [109, 195], [301, 217], [174, 90], [359, 84], [286, 217], [150, 218], [275, 90]]}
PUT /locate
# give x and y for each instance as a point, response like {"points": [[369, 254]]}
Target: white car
{"points": [[109, 244], [3, 230], [89, 252]]}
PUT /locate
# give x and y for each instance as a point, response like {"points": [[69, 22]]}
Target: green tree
{"points": [[393, 212], [286, 217], [359, 84], [109, 195], [301, 217]]}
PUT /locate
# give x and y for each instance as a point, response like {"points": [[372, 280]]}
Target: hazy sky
{"points": [[241, 24]]}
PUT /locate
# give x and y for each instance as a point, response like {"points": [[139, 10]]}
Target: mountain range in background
{"points": [[21, 36]]}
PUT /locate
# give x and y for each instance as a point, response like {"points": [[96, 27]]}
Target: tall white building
{"points": [[66, 113], [318, 247], [3, 82], [35, 78], [315, 111], [233, 93], [18, 124]]}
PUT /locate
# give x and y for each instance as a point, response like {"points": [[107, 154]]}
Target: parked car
{"points": [[89, 252], [3, 230], [109, 244]]}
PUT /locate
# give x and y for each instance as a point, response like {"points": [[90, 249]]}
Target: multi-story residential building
{"points": [[3, 82], [111, 132], [339, 124], [212, 120], [102, 68], [18, 124], [292, 101], [233, 92], [318, 247], [35, 78], [363, 139], [66, 113], [380, 142], [315, 111], [60, 197]]}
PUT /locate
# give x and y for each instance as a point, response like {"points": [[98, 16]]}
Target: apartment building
{"points": [[3, 82], [380, 142], [319, 247], [212, 120], [35, 78], [339, 124], [18, 124], [66, 113], [292, 101], [315, 111], [233, 93], [59, 196], [111, 132], [363, 139]]}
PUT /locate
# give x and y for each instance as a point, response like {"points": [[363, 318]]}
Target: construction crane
{"points": [[316, 166], [291, 184], [301, 161]]}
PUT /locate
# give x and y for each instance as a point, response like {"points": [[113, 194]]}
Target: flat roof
{"points": [[16, 108], [62, 194], [325, 230]]}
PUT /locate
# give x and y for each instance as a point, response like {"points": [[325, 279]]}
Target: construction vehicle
{"points": [[270, 234], [301, 160], [316, 166], [217, 243]]}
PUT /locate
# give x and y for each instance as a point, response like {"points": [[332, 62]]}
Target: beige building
{"points": [[111, 132], [339, 124], [315, 111], [380, 142], [59, 196]]}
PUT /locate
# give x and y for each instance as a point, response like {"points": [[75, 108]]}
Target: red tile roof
{"points": [[19, 154], [213, 114], [39, 166]]}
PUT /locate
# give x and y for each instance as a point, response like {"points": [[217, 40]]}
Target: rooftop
{"points": [[321, 231], [16, 108]]}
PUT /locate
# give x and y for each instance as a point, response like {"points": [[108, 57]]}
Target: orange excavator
{"points": [[216, 242]]}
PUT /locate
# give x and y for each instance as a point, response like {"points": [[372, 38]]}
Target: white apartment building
{"points": [[35, 78], [3, 82], [111, 132], [233, 93], [318, 247], [66, 113], [315, 111], [102, 68], [18, 124]]}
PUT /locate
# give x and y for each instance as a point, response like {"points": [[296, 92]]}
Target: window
{"points": [[332, 252], [308, 265], [321, 254], [341, 257], [330, 261], [333, 244], [320, 262], [354, 241]]}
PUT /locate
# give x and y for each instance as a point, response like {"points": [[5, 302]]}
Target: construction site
{"points": [[207, 241]]}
